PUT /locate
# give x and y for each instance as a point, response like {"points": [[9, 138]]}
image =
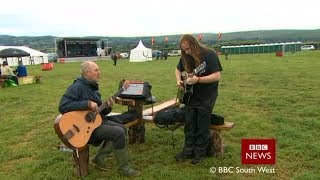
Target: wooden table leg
{"points": [[137, 132]]}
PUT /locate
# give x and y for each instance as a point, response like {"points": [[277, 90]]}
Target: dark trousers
{"points": [[196, 130], [109, 131]]}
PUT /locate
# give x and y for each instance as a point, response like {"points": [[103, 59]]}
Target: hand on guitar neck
{"points": [[94, 106], [192, 79], [109, 102]]}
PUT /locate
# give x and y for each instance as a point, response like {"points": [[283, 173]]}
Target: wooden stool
{"points": [[81, 162], [37, 78], [216, 145], [2, 83]]}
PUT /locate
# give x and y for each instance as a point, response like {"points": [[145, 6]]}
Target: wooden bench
{"points": [[37, 78], [2, 82], [29, 79], [136, 134], [22, 80], [136, 131], [216, 145]]}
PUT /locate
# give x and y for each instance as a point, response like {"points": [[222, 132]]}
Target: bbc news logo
{"points": [[253, 147], [258, 151]]}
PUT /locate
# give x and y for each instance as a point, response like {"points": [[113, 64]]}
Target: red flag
{"points": [[219, 36], [152, 41]]}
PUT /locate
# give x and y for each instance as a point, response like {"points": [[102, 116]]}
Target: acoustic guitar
{"points": [[188, 89], [74, 128]]}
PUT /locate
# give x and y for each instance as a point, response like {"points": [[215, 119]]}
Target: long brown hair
{"points": [[198, 51]]}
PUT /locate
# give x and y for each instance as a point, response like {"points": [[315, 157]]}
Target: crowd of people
{"points": [[83, 94]]}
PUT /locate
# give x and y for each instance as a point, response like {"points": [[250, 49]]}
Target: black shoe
{"points": [[181, 156], [196, 160]]}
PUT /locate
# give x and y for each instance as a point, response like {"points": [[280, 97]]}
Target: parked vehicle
{"points": [[52, 57], [124, 55], [174, 53], [307, 48]]}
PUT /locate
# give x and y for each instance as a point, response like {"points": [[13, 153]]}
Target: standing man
{"points": [[226, 53], [114, 57], [84, 94], [202, 101]]}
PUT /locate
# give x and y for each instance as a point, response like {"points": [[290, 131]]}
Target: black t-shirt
{"points": [[204, 94]]}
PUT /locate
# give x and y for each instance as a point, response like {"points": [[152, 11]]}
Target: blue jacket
{"points": [[78, 94], [21, 71]]}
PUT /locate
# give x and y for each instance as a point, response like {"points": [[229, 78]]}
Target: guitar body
{"points": [[188, 89], [187, 92], [74, 129]]}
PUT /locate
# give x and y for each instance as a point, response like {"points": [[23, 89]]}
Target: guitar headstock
{"points": [[200, 68]]}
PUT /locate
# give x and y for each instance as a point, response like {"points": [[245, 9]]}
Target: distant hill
{"points": [[46, 43]]}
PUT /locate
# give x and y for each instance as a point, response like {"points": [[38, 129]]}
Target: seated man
{"points": [[83, 94], [6, 72], [21, 70]]}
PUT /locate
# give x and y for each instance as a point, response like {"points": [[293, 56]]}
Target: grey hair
{"points": [[84, 67]]}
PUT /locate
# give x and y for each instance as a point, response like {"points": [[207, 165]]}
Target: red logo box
{"points": [[258, 151]]}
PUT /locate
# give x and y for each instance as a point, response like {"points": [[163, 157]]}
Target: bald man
{"points": [[84, 94]]}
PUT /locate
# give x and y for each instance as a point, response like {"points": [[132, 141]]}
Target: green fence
{"points": [[262, 48]]}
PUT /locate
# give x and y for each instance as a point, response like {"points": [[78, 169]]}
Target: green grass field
{"points": [[266, 96]]}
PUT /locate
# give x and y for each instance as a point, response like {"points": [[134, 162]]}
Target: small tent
{"points": [[140, 53], [36, 57]]}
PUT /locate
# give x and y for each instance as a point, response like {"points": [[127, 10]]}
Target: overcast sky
{"points": [[153, 18]]}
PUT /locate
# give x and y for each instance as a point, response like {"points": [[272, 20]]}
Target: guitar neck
{"points": [[199, 69], [104, 105], [192, 74]]}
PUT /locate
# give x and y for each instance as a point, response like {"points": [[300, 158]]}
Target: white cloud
{"points": [[149, 17]]}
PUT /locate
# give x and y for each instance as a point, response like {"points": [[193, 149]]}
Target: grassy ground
{"points": [[266, 96]]}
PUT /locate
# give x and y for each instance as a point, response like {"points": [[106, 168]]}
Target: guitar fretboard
{"points": [[104, 105]]}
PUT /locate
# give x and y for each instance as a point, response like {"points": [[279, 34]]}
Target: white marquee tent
{"points": [[36, 57], [140, 53]]}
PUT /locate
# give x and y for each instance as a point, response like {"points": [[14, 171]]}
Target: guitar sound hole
{"points": [[90, 117]]}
